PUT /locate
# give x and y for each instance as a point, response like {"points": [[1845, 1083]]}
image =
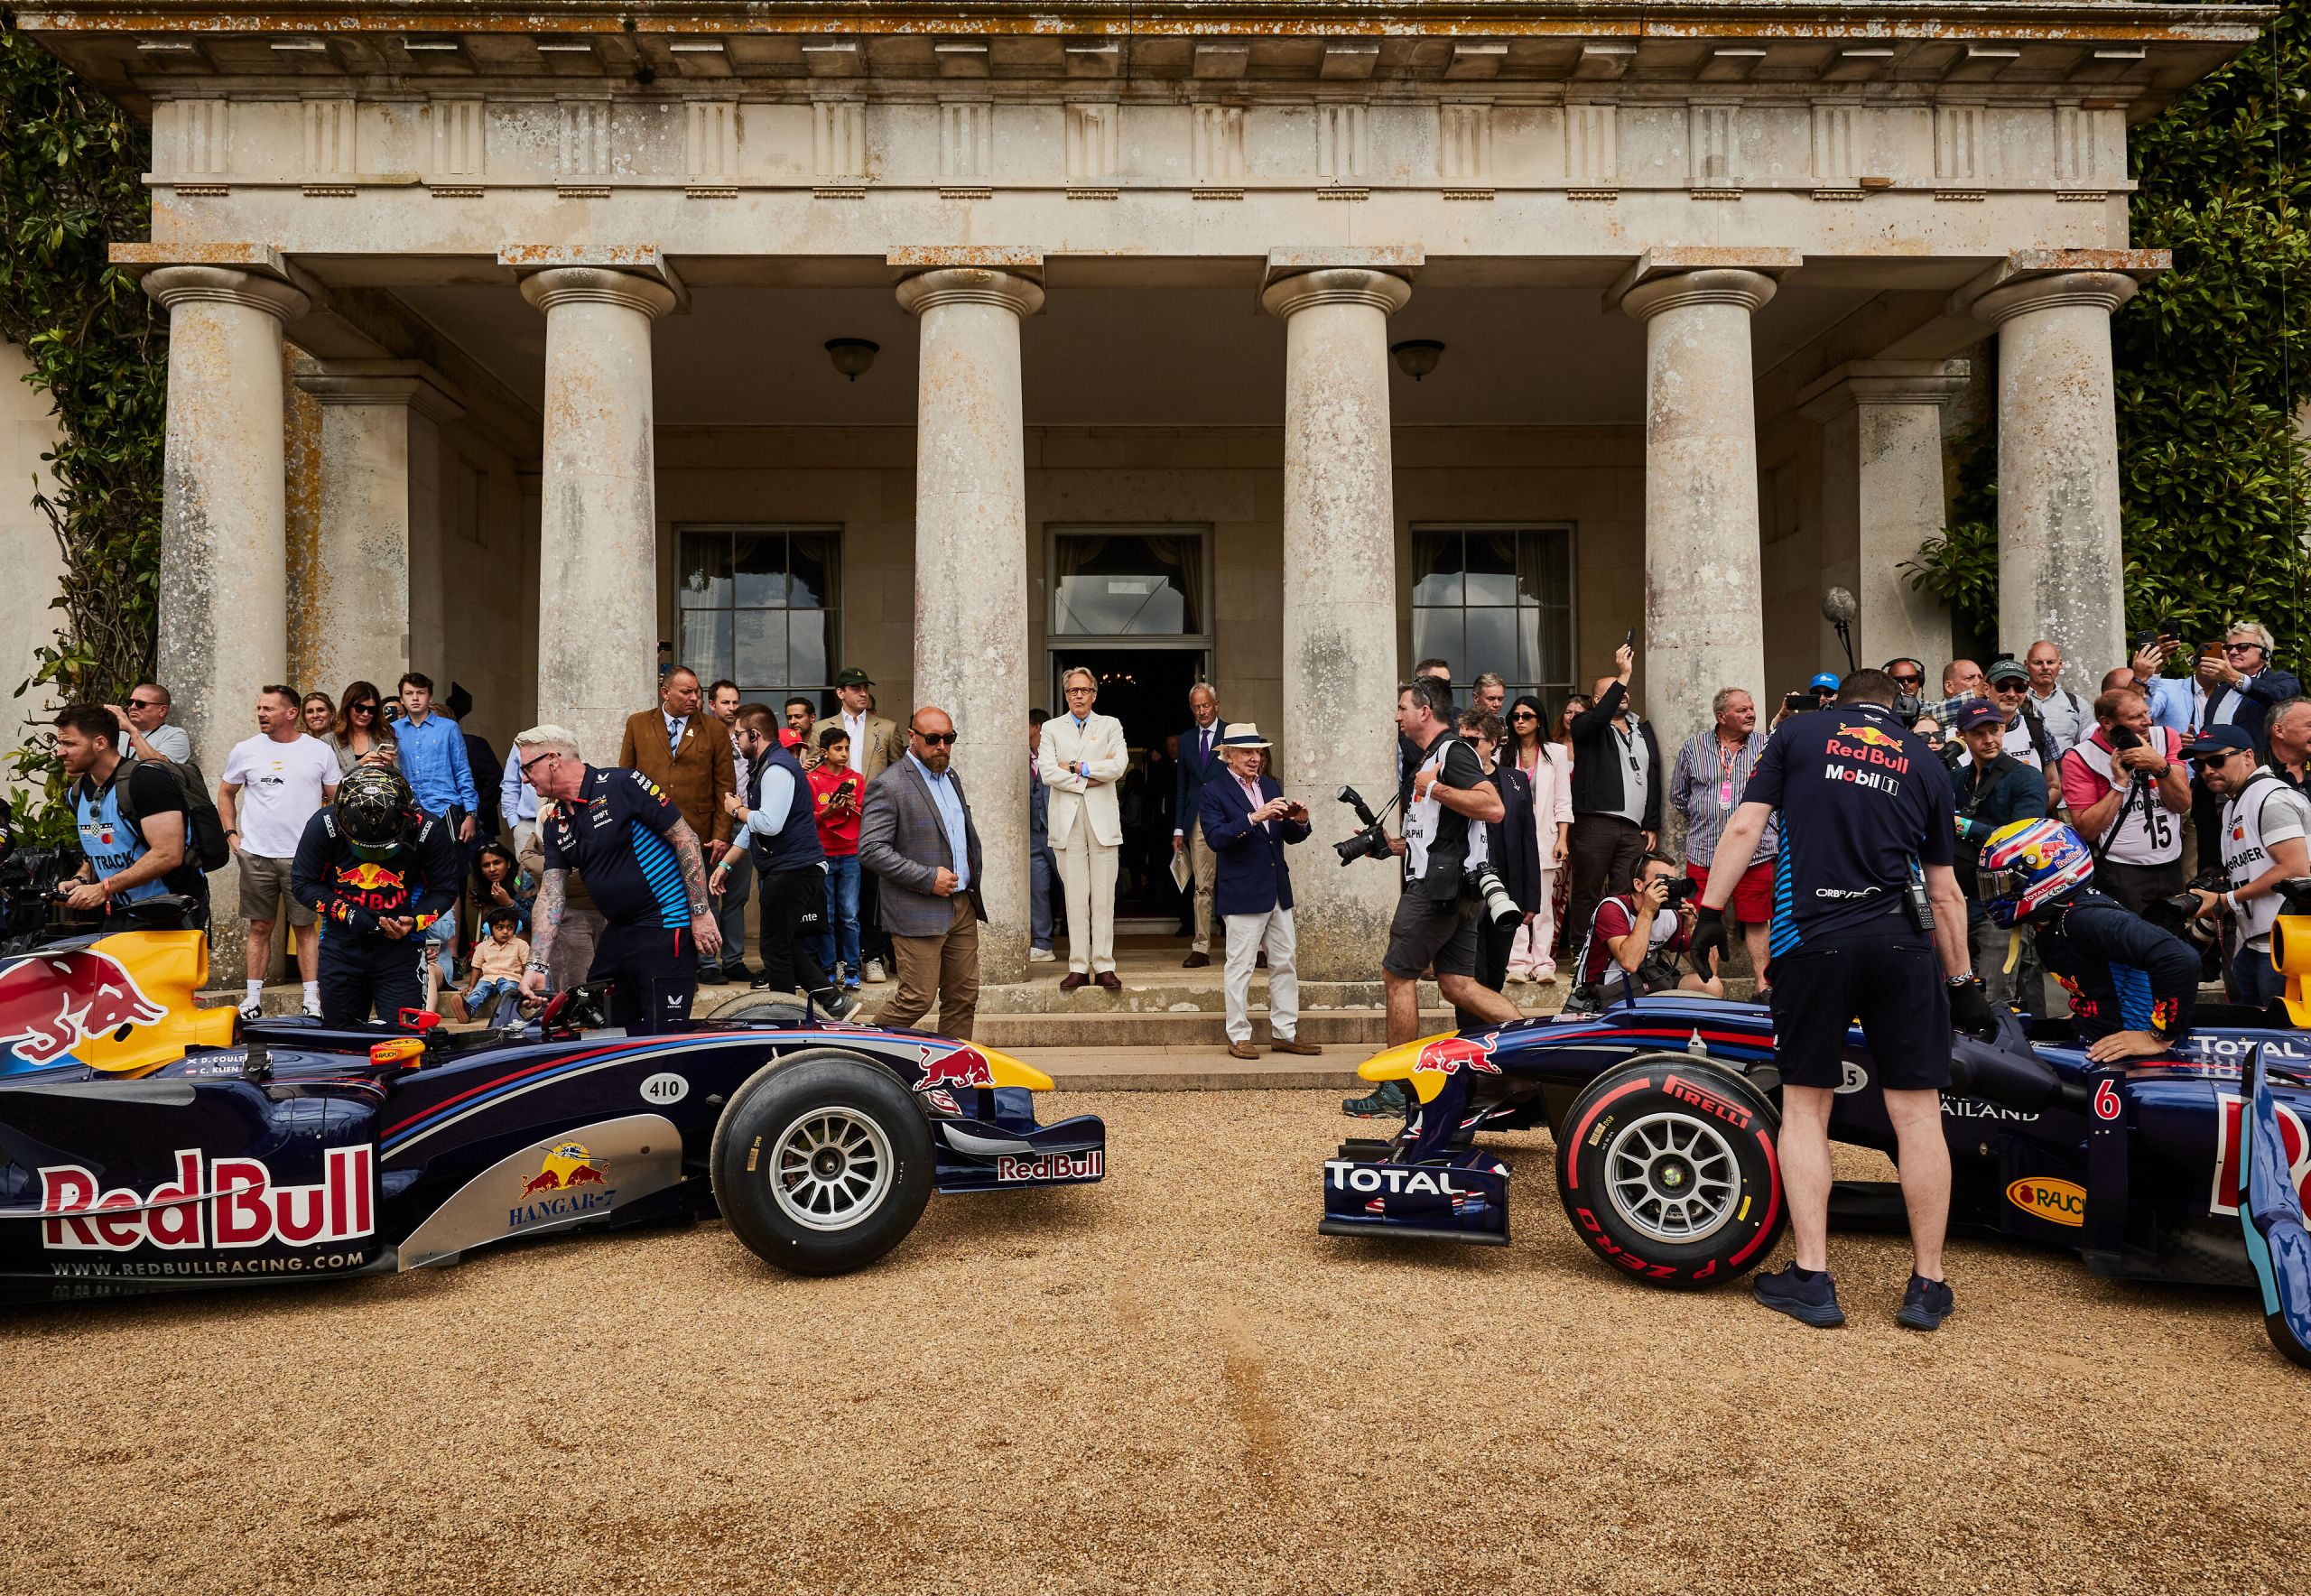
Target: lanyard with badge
{"points": [[1725, 758]]}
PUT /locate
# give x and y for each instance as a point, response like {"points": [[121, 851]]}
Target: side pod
{"points": [[2270, 1212]]}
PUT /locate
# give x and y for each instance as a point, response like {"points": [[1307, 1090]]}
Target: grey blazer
{"points": [[902, 842]]}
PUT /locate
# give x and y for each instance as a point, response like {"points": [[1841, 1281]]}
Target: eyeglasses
{"points": [[530, 765], [2227, 648], [2010, 687], [1909, 681], [936, 738], [1524, 715], [138, 703], [369, 708]]}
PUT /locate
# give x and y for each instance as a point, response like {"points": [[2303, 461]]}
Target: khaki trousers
{"points": [[1087, 869], [1204, 866], [945, 967]]}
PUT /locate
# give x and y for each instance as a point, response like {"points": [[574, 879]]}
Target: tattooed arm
{"points": [[692, 859], [545, 923]]}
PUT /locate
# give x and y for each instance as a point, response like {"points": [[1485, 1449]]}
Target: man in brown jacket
{"points": [[688, 753]]}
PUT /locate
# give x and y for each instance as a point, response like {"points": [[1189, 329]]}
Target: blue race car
{"points": [[1663, 1110], [143, 1146]]}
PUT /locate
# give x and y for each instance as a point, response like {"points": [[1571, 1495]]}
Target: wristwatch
{"points": [[537, 966]]}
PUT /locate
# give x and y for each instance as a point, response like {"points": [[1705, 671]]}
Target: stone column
{"points": [[224, 556], [1339, 597], [970, 569], [1703, 629], [352, 618], [598, 524], [1882, 497], [2060, 569]]}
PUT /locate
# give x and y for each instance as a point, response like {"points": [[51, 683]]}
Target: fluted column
{"points": [[1704, 629], [224, 629], [2060, 569], [970, 569], [1340, 595], [598, 533]]}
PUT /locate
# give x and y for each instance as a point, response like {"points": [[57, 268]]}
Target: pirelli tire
{"points": [[761, 1008], [821, 1162], [1667, 1169]]}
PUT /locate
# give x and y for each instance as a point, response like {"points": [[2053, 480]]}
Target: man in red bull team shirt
{"points": [[380, 871]]}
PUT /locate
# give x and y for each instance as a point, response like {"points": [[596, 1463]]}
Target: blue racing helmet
{"points": [[2029, 864]]}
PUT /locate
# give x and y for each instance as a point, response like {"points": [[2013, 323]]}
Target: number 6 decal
{"points": [[2106, 1101]]}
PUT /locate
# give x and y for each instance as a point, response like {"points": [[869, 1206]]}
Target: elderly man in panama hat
{"points": [[1249, 823]]}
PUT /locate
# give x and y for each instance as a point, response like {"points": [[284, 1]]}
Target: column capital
{"points": [[409, 383], [194, 285], [576, 286], [1882, 382], [971, 286], [2102, 291], [1287, 296], [1673, 260], [1713, 285]]}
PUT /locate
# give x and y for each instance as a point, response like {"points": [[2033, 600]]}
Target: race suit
{"points": [[361, 967], [2122, 973]]}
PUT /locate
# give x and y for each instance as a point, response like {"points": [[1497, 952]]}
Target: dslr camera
{"points": [[1483, 883], [1682, 888], [1371, 839]]}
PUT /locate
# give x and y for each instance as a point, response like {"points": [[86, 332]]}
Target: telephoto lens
{"points": [[1484, 882]]}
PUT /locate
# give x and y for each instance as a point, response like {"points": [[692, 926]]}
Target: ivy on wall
{"points": [[2212, 360], [70, 164]]}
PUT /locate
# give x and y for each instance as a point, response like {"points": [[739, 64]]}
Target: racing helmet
{"points": [[2027, 864], [371, 802]]}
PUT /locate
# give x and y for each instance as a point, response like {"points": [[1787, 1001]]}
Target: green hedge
{"points": [[2211, 361]]}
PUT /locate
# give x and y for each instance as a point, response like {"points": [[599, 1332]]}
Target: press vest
{"points": [[1439, 845], [2244, 856], [2135, 838], [112, 843], [796, 845]]}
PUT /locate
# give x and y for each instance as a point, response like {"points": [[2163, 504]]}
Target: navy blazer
{"points": [[1195, 772], [1514, 841], [1253, 877], [2256, 699]]}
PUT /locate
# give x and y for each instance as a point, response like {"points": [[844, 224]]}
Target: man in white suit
{"points": [[1083, 758]]}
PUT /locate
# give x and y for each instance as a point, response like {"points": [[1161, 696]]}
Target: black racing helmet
{"points": [[371, 802]]}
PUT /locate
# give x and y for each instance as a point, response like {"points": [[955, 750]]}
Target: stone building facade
{"points": [[513, 341]]}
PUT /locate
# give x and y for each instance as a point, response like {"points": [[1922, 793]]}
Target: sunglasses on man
{"points": [[936, 738]]}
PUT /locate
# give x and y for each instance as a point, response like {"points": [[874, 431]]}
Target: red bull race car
{"points": [[147, 1143], [2189, 1168]]}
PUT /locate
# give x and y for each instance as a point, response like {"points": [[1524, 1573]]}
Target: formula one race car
{"points": [[1664, 1110], [145, 1145]]}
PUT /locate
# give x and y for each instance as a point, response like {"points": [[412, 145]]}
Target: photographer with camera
{"points": [[1865, 906], [2127, 788], [2262, 838], [1435, 924], [1512, 846], [1635, 937], [135, 834]]}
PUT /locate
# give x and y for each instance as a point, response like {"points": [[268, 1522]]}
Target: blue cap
{"points": [[2220, 739], [1980, 712], [1824, 679]]}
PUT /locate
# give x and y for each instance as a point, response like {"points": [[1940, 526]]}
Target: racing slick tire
{"points": [[761, 1008], [822, 1162], [1667, 1170]]}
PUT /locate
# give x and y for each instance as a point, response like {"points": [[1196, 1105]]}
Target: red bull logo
{"points": [[1870, 734], [965, 1065], [236, 1205], [1870, 745], [53, 1002], [370, 877], [561, 1189], [1447, 1054]]}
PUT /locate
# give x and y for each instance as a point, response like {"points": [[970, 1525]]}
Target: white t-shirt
{"points": [[281, 788]]}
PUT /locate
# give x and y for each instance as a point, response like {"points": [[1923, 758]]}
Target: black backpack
{"points": [[204, 831]]}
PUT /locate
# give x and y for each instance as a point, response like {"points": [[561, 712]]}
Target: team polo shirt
{"points": [[1864, 801], [616, 835]]}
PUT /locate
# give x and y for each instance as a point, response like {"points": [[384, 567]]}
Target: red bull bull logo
{"points": [[964, 1065], [236, 1205], [569, 1184], [51, 1003], [370, 877], [1865, 745], [1447, 1054], [1870, 734]]}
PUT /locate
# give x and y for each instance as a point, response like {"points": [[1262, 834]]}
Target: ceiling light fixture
{"points": [[852, 355], [1417, 358]]}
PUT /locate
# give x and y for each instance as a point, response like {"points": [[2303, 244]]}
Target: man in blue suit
{"points": [[1249, 823], [1199, 763]]}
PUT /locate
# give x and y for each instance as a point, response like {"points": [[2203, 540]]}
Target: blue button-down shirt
{"points": [[433, 764], [516, 799], [950, 818]]}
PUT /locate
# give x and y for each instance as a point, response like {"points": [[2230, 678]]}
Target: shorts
{"points": [[265, 887], [1752, 902], [1426, 934], [1891, 986]]}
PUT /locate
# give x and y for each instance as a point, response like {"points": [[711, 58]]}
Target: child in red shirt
{"points": [[837, 795]]}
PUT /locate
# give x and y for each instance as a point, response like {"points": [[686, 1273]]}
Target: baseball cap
{"points": [[788, 737], [2006, 668], [852, 676], [2220, 739], [1979, 713], [1822, 679]]}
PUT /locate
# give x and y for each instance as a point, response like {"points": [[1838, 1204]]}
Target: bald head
{"points": [[931, 737]]}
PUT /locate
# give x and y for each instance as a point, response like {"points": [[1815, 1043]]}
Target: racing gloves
{"points": [[1970, 1008], [1707, 944]]}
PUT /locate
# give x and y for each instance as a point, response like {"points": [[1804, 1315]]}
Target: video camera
{"points": [[1371, 839], [30, 911]]}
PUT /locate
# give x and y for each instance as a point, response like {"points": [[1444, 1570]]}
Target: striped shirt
{"points": [[1706, 787]]}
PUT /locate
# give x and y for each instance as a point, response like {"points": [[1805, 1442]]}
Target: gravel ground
{"points": [[1167, 1381]]}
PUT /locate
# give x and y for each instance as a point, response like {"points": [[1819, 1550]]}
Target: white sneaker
{"points": [[874, 973], [251, 1009], [1041, 956], [312, 1009]]}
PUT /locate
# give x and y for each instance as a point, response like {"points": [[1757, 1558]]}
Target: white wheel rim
{"points": [[831, 1169], [1672, 1177]]}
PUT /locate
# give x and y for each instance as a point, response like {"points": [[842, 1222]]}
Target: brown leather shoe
{"points": [[1242, 1050], [1073, 980], [1110, 981], [1196, 961], [1306, 1050]]}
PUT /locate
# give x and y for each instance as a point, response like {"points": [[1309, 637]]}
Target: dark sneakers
{"points": [[1806, 1296], [1386, 1102], [1926, 1304]]}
